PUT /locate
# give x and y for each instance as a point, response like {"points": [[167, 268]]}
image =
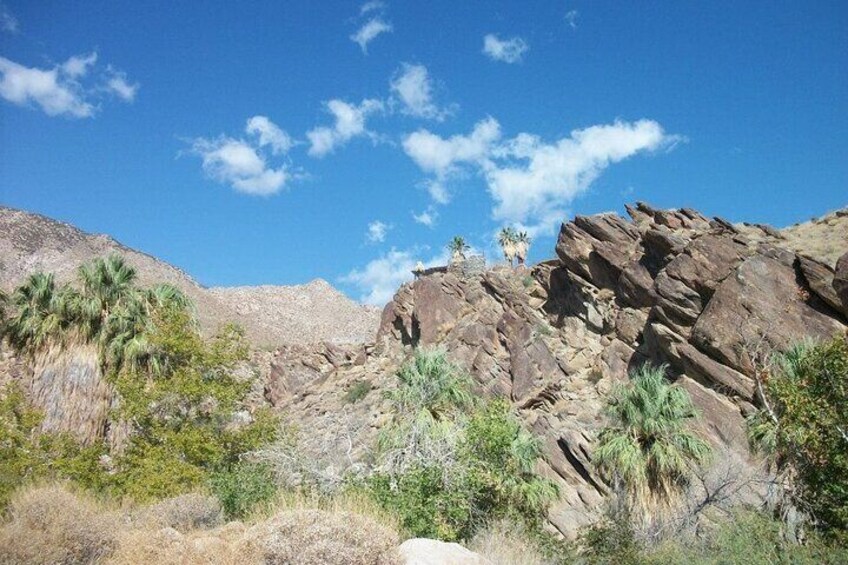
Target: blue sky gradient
{"points": [[751, 102]]}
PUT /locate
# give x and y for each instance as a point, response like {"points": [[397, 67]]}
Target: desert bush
{"points": [[185, 512], [357, 392], [52, 524], [323, 537], [804, 427], [167, 546], [243, 487]]}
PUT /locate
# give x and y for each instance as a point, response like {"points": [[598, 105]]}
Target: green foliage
{"points": [[185, 417], [357, 392], [27, 456], [647, 447], [807, 430], [745, 538], [444, 473], [243, 487], [458, 246]]}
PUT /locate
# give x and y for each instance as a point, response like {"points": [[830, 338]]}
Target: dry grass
{"points": [[185, 512], [52, 524], [505, 543], [57, 525], [340, 530]]}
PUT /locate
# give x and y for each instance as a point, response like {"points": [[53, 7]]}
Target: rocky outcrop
{"points": [[840, 282], [670, 286]]}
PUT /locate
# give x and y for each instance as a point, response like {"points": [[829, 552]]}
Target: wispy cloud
{"points": [[378, 281], [350, 122], [369, 31], [8, 22], [413, 86], [118, 84], [66, 89], [571, 18], [531, 182], [373, 6], [426, 218], [241, 164], [505, 50], [377, 231]]}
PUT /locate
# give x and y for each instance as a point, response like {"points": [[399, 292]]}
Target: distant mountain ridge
{"points": [[271, 315]]}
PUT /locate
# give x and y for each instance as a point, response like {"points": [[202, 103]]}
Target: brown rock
{"points": [[840, 281], [758, 309], [819, 278]]}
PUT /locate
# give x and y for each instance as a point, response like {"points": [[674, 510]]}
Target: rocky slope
{"points": [[709, 299], [272, 315]]}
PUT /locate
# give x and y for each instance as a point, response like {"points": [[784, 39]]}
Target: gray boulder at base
{"points": [[422, 551]]}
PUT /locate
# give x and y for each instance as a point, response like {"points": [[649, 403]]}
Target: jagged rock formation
{"points": [[271, 315], [671, 287]]}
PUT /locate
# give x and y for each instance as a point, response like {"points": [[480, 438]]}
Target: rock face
{"points": [[670, 286]]}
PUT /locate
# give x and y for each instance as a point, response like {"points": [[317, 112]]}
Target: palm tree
{"points": [[458, 247], [646, 448], [522, 246], [42, 317], [507, 239], [431, 395]]}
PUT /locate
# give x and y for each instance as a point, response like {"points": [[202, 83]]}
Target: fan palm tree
{"points": [[507, 239], [647, 448], [42, 317], [458, 247], [522, 246]]}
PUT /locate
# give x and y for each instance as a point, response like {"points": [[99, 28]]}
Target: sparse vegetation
{"points": [[357, 391]]}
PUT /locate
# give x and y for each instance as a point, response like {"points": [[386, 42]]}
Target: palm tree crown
{"points": [[647, 448], [458, 246]]}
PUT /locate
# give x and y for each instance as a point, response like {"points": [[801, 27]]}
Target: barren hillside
{"points": [[271, 315]]}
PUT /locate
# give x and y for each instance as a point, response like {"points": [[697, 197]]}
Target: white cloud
{"points": [[506, 50], [350, 123], [377, 231], [413, 86], [571, 18], [241, 164], [78, 65], [373, 6], [118, 84], [269, 134], [60, 90], [532, 182], [369, 31], [380, 278], [426, 218], [8, 22], [441, 157], [56, 93], [237, 163]]}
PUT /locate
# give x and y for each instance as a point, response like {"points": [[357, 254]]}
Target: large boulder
{"points": [[423, 551], [840, 282]]}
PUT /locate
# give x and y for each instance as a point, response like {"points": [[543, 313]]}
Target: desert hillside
{"points": [[271, 315]]}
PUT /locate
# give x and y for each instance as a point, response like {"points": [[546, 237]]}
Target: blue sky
{"points": [[276, 142]]}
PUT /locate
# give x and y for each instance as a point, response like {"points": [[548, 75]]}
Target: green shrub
{"points": [[189, 418], [805, 428], [445, 474], [357, 392], [27, 455], [243, 487]]}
